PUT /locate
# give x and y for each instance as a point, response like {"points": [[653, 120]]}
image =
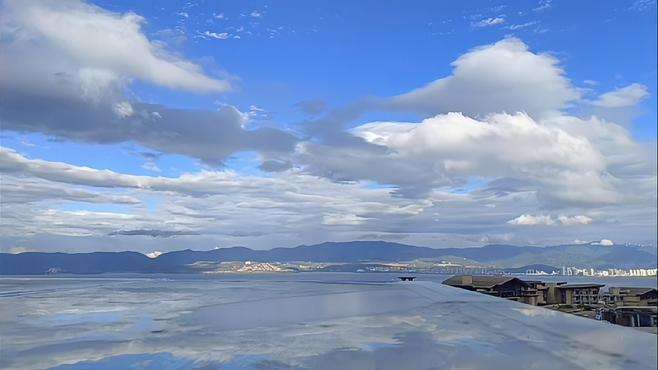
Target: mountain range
{"points": [[499, 255]]}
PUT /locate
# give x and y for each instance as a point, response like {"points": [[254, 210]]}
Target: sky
{"points": [[169, 125]]}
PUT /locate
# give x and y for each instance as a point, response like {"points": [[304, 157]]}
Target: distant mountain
{"points": [[503, 256], [588, 255], [35, 263]]}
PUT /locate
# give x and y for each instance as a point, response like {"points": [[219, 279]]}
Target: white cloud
{"points": [[643, 5], [16, 250], [21, 190], [519, 26], [623, 97], [451, 178], [530, 220], [44, 201], [286, 185], [215, 35], [83, 92], [548, 220], [564, 160], [605, 243], [153, 254], [342, 219], [210, 136], [123, 109], [501, 77], [543, 5], [89, 46], [488, 22], [574, 220], [450, 147]]}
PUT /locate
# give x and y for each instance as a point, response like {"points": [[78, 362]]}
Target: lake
{"points": [[296, 321]]}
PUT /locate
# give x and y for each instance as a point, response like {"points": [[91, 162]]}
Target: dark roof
{"points": [[578, 286], [480, 281], [635, 290]]}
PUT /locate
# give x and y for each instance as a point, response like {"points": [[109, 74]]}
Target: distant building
{"points": [[579, 294], [499, 286], [563, 293], [630, 296], [546, 292], [568, 271]]}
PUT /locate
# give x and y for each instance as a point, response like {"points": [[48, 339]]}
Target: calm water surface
{"points": [[296, 321]]}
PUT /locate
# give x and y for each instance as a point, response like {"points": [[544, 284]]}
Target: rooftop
{"points": [[579, 286], [634, 290], [480, 281]]}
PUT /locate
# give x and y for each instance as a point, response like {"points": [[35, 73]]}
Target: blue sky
{"points": [[361, 60]]}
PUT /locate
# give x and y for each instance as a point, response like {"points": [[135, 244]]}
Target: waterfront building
{"points": [[639, 272], [563, 293], [579, 294], [499, 286], [630, 296], [634, 316]]}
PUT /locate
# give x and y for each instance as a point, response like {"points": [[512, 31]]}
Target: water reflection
{"points": [[300, 321]]}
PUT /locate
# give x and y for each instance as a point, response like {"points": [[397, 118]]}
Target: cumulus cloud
{"points": [[530, 220], [574, 220], [210, 208], [563, 160], [627, 96], [22, 190], [123, 109], [80, 93], [207, 135], [604, 243], [448, 149], [195, 184], [548, 220], [67, 34], [450, 179], [501, 77], [204, 203]]}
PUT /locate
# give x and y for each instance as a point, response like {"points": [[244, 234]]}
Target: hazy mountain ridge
{"points": [[504, 256]]}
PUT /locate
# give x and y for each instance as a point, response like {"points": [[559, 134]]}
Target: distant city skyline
{"points": [[160, 126]]}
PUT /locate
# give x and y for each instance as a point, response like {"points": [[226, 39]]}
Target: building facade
{"points": [[579, 294], [630, 296], [634, 316]]}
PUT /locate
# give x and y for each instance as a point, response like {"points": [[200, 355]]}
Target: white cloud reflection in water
{"points": [[296, 321]]}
